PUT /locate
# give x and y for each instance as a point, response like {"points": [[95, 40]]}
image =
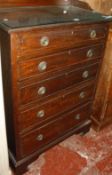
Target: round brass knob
{"points": [[40, 137], [93, 34], [77, 117], [44, 41], [41, 91], [41, 114], [89, 53], [82, 95], [85, 74], [42, 66]]}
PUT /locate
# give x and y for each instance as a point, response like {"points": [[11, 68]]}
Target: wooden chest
{"points": [[51, 59]]}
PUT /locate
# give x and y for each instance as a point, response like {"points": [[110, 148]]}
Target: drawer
{"points": [[40, 137], [57, 105], [45, 40], [38, 66], [39, 90]]}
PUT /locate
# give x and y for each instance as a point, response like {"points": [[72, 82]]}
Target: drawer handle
{"points": [[44, 41], [40, 137], [89, 53], [82, 95], [41, 114], [85, 74], [93, 34], [41, 91], [42, 66], [77, 117]]}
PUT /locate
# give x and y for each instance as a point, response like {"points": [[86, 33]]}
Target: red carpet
{"points": [[78, 155]]}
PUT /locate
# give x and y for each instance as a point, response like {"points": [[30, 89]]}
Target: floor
{"points": [[90, 154]]}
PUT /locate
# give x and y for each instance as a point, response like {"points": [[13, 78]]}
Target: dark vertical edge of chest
{"points": [[5, 44]]}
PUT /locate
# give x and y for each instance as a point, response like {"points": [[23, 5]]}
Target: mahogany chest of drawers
{"points": [[51, 58]]}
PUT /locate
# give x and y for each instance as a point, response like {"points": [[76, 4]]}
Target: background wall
{"points": [[104, 6], [4, 164], [95, 4]]}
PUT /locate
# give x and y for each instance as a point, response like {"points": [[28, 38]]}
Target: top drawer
{"points": [[45, 40]]}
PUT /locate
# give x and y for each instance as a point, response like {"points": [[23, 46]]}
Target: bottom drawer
{"points": [[52, 130]]}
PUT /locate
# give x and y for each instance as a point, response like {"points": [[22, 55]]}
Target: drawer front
{"points": [[52, 85], [49, 39], [38, 66], [55, 106], [43, 135]]}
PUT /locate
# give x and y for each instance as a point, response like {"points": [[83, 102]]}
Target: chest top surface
{"points": [[23, 17]]}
